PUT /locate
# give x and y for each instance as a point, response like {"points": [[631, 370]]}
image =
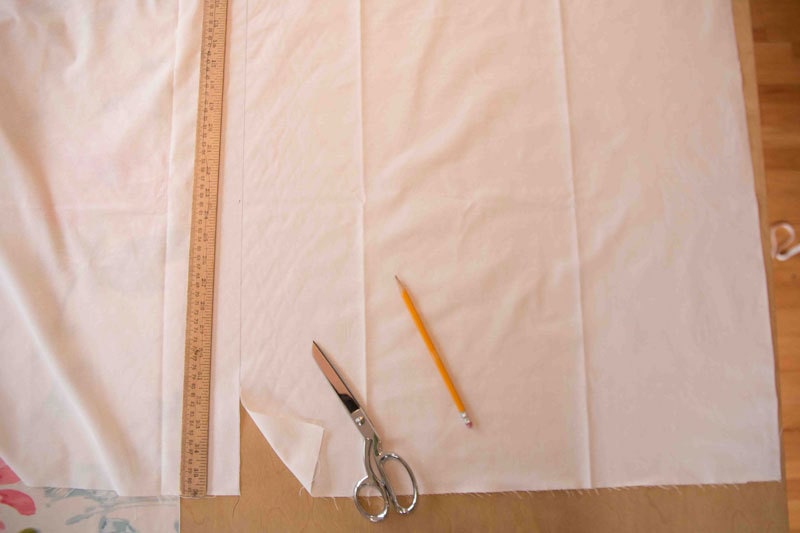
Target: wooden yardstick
{"points": [[202, 246]]}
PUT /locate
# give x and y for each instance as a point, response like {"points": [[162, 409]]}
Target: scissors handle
{"points": [[384, 457], [363, 484], [380, 482]]}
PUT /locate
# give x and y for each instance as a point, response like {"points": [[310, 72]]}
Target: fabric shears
{"points": [[374, 457]]}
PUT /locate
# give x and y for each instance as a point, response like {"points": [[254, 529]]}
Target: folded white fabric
{"points": [[565, 187], [97, 125]]}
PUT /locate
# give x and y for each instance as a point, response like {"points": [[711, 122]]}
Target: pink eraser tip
{"points": [[469, 424]]}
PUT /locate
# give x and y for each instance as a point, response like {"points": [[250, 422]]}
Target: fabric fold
{"points": [[296, 442]]}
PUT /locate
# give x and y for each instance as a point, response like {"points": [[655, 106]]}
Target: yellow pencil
{"points": [[434, 354]]}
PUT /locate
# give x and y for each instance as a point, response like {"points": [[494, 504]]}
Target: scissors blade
{"points": [[336, 381]]}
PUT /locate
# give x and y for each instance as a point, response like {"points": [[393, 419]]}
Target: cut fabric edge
{"points": [[290, 437]]}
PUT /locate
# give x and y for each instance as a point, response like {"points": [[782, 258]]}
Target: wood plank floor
{"points": [[776, 36]]}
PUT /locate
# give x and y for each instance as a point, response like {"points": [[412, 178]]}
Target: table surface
{"points": [[273, 500], [776, 32]]}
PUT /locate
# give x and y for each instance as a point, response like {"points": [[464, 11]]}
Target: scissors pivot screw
{"points": [[359, 421]]}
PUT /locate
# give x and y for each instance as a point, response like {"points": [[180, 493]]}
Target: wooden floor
{"points": [[776, 34]]}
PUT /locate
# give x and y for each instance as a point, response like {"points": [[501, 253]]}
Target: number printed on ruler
{"points": [[202, 249]]}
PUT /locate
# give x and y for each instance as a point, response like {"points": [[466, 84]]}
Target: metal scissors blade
{"points": [[357, 414], [336, 381]]}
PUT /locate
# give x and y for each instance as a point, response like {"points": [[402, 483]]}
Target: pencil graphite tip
{"points": [[400, 283]]}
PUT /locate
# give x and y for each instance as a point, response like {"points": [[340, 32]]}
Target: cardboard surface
{"points": [[273, 500]]}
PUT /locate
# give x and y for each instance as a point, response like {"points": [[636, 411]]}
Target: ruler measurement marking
{"points": [[202, 247]]}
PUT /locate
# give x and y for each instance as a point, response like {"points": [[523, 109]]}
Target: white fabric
{"points": [[565, 187], [97, 122], [676, 317], [296, 443], [567, 191]]}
